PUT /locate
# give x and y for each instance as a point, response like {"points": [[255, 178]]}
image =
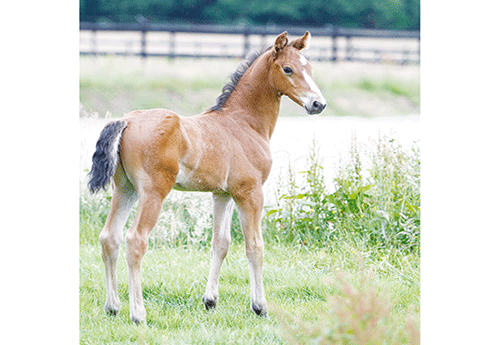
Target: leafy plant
{"points": [[376, 197]]}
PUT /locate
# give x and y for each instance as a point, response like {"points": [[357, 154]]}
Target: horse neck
{"points": [[255, 100]]}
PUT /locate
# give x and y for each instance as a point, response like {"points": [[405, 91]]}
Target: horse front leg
{"points": [[223, 207], [250, 207]]}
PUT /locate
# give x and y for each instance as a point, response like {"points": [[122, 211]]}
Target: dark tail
{"points": [[105, 158]]}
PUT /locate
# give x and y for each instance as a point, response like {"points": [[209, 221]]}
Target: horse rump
{"points": [[105, 158]]}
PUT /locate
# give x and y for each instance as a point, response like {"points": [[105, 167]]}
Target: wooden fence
{"points": [[331, 43]]}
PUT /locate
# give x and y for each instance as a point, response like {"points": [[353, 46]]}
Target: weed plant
{"points": [[185, 220], [375, 201]]}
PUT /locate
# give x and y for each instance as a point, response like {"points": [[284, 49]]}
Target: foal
{"points": [[224, 151]]}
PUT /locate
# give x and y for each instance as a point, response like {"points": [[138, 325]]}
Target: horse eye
{"points": [[287, 70]]}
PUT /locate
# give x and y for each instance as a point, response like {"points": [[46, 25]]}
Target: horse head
{"points": [[291, 73]]}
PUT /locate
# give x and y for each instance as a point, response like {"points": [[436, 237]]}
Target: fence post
{"points": [[172, 44], [94, 42], [263, 42], [418, 48], [246, 42], [349, 49], [334, 34], [143, 43], [144, 23]]}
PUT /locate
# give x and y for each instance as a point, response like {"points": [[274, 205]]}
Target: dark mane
{"points": [[242, 67]]}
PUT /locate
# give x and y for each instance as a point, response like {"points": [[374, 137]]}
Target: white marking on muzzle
{"points": [[314, 88]]}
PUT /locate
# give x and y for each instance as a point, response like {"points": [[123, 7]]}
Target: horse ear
{"points": [[281, 42], [303, 42]]}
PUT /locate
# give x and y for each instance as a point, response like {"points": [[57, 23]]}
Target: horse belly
{"points": [[193, 180]]}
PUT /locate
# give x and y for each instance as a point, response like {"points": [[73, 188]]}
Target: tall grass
{"points": [[185, 219], [375, 200]]}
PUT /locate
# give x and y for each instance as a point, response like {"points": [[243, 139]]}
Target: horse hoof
{"points": [[259, 310], [136, 320], [138, 317], [210, 304], [113, 311]]}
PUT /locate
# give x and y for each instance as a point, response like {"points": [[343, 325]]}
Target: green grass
{"points": [[188, 87], [342, 265], [298, 282]]}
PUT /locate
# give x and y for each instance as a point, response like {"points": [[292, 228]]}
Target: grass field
{"points": [[342, 266], [298, 283], [342, 258], [188, 86]]}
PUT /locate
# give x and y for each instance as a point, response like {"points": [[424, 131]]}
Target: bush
{"points": [[376, 203]]}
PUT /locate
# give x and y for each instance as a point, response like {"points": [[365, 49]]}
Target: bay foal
{"points": [[224, 151]]}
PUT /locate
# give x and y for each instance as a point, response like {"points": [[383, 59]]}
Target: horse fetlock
{"points": [[137, 320]]}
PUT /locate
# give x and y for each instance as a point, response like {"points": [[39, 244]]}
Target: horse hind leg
{"points": [[221, 238], [111, 237], [137, 243], [151, 199]]}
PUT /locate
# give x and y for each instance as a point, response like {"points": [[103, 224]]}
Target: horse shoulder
{"points": [[251, 158]]}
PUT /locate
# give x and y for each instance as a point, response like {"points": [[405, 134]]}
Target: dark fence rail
{"points": [[164, 39]]}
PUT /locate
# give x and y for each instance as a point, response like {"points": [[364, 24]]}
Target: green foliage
{"points": [[376, 202], [184, 221], [389, 14]]}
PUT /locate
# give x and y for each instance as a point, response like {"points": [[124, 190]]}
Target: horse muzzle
{"points": [[315, 106]]}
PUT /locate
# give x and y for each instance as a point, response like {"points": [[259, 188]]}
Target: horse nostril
{"points": [[315, 107]]}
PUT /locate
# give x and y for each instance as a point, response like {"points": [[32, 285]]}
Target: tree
{"points": [[389, 14]]}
